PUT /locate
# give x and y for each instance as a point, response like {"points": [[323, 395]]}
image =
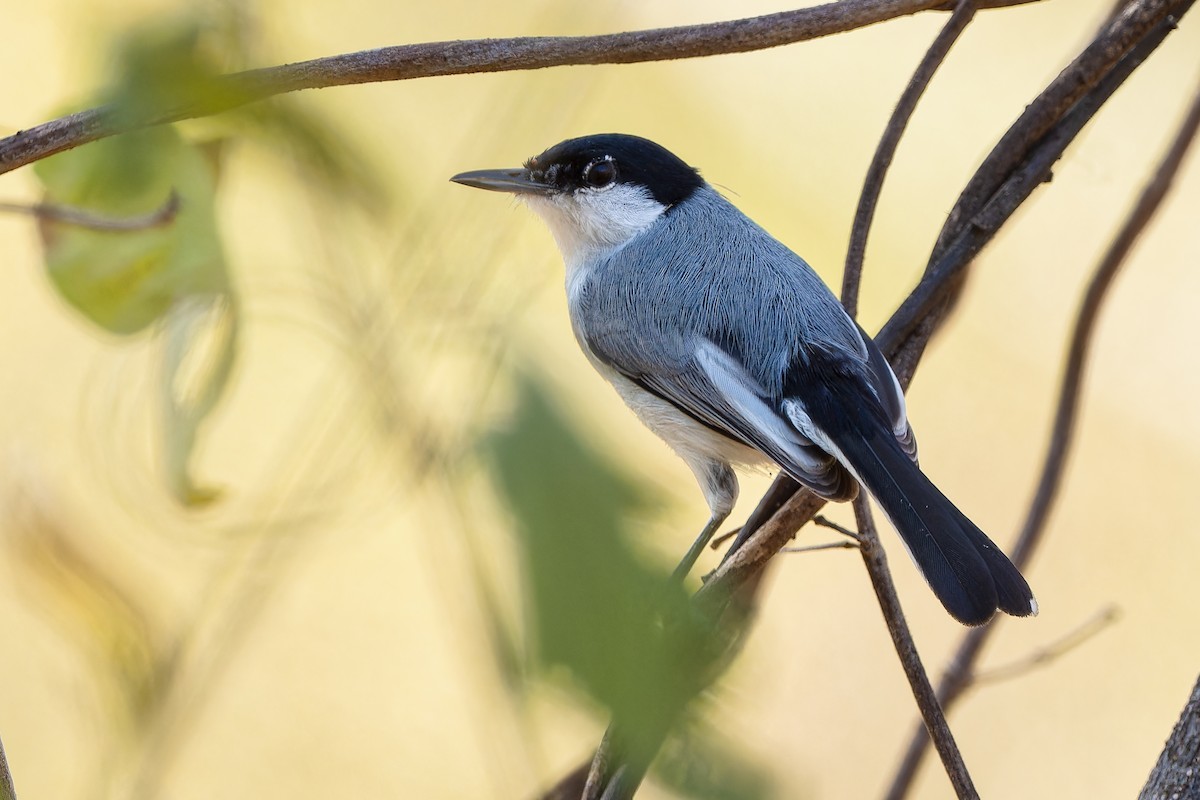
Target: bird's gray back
{"points": [[706, 271]]}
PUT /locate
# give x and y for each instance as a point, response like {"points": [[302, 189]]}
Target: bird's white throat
{"points": [[590, 223]]}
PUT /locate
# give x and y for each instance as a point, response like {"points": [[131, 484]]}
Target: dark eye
{"points": [[599, 174]]}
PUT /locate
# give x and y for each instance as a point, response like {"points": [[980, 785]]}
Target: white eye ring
{"points": [[600, 174]]}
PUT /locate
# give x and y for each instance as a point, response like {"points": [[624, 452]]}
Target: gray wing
{"points": [[713, 389]]}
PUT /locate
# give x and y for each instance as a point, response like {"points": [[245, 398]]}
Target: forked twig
{"points": [[959, 674], [1019, 163], [1108, 62]]}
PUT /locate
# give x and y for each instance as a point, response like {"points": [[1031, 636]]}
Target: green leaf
{"points": [[201, 345], [173, 274], [328, 156], [618, 624], [125, 280], [171, 62]]}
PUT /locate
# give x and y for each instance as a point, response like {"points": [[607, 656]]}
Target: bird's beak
{"points": [[517, 181]]}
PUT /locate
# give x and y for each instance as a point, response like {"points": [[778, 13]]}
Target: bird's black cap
{"points": [[572, 165]]}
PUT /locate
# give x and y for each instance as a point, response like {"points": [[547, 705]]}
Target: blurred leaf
{"points": [[125, 280], [319, 148], [174, 61], [621, 626], [89, 594], [697, 764], [201, 343], [504, 645]]}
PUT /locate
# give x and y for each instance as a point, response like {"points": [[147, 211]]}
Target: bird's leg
{"points": [[720, 487], [693, 553]]}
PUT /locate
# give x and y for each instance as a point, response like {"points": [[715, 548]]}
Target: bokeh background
{"points": [[328, 626]]}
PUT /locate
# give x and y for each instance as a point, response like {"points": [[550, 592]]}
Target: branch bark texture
{"points": [[432, 59], [1176, 776]]}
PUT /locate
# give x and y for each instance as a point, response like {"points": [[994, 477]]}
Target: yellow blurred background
{"points": [[324, 623]]}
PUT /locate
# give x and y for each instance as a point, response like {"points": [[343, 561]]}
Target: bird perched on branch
{"points": [[728, 345]]}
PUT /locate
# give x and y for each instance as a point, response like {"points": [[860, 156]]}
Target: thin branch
{"points": [[405, 62], [954, 681], [958, 676], [826, 522], [1068, 402], [81, 218], [1047, 655], [964, 12], [812, 548], [875, 560]]}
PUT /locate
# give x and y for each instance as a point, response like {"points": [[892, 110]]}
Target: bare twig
{"points": [[826, 522], [405, 62], [964, 12], [875, 561], [1044, 656], [812, 548], [81, 218], [1068, 401], [958, 676], [717, 541]]}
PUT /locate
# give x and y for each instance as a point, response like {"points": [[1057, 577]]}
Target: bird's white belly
{"points": [[695, 443]]}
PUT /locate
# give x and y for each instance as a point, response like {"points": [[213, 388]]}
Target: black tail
{"points": [[965, 569]]}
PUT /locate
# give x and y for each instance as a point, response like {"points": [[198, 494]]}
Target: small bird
{"points": [[728, 346]]}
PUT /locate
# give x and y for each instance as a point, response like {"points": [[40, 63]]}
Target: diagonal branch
{"points": [[875, 561], [431, 59], [1068, 402], [1021, 161], [958, 676]]}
